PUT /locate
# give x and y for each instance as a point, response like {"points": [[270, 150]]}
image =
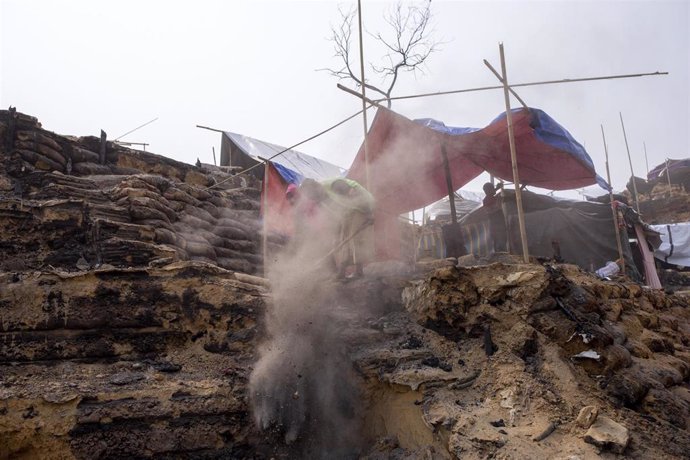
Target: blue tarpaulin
{"points": [[293, 166]]}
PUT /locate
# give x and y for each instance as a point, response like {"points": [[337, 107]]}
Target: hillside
{"points": [[136, 324]]}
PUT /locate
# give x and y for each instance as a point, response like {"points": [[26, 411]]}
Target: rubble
{"points": [[608, 435]]}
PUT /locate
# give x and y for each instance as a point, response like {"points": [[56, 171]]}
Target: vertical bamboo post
{"points": [[513, 158], [264, 237], [364, 95], [668, 176], [214, 156], [613, 207], [637, 202], [646, 161]]}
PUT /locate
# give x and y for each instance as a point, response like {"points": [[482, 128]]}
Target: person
{"points": [[497, 224], [351, 208], [356, 230]]}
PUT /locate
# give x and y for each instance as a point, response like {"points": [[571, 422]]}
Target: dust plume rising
{"points": [[302, 387]]}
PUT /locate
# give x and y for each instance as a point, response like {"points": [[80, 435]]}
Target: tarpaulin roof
{"points": [[406, 166], [673, 166], [292, 165]]}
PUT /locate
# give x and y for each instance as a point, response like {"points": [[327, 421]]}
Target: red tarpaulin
{"points": [[406, 167]]}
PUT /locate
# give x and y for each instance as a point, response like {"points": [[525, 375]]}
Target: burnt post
{"points": [[101, 152], [11, 129]]}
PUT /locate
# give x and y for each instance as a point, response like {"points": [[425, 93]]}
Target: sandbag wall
{"points": [[128, 209]]}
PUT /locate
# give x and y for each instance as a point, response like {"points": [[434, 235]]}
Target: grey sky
{"points": [[249, 67]]}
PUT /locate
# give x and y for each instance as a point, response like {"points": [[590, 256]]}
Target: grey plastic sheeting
{"points": [[583, 231], [303, 164], [675, 243]]}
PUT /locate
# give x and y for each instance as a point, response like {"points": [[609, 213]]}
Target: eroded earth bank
{"points": [[135, 325]]}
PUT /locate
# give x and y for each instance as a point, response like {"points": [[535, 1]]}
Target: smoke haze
{"points": [[302, 386]]}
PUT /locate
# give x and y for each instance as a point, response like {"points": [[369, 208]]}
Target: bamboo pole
{"points": [[619, 245], [359, 95], [646, 162], [668, 176], [495, 72], [364, 94], [637, 202], [213, 149], [518, 85], [264, 237], [513, 158]]}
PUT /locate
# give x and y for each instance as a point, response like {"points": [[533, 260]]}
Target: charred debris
{"points": [[133, 315]]}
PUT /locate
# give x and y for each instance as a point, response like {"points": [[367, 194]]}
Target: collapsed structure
{"points": [[131, 321]]}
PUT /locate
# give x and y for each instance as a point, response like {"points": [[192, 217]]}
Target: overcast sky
{"points": [[250, 67]]}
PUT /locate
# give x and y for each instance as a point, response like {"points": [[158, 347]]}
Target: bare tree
{"points": [[408, 43]]}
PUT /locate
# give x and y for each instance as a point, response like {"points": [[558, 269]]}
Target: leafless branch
{"points": [[408, 43]]}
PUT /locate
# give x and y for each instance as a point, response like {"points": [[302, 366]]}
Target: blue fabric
{"points": [[546, 129], [291, 160], [290, 176], [441, 127]]}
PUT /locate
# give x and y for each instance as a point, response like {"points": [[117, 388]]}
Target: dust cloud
{"points": [[303, 387]]}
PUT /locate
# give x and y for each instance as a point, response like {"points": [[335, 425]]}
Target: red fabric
{"points": [[406, 168], [275, 208], [405, 164]]}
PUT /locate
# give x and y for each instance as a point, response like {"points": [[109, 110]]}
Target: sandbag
{"points": [[211, 209], [227, 222], [196, 192], [200, 214], [238, 265], [40, 161], [42, 149], [232, 254], [90, 169], [166, 236], [194, 222], [157, 223], [174, 193], [195, 249], [149, 203], [241, 245], [80, 155], [213, 239], [35, 136], [232, 233], [140, 213]]}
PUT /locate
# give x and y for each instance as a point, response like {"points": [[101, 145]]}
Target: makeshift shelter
{"points": [[579, 232], [245, 152], [671, 167], [404, 161], [290, 167], [677, 172]]}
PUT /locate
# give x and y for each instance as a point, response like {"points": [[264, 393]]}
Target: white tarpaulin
{"points": [[675, 243]]}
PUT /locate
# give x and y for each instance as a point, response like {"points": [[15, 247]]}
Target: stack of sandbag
{"points": [[137, 207], [32, 148]]}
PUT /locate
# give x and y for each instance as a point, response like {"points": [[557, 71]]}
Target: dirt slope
{"points": [[130, 324]]}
